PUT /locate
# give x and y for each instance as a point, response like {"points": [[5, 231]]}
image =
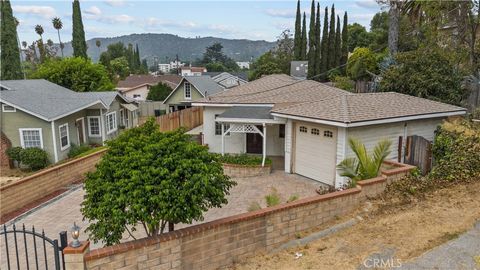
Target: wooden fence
{"points": [[188, 119]]}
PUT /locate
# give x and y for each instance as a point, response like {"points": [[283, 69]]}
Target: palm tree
{"points": [[57, 24], [364, 166], [39, 30]]}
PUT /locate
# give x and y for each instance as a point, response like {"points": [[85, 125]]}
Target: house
{"points": [[228, 80], [166, 68], [308, 123], [190, 89], [243, 65], [38, 113], [192, 71], [299, 69], [137, 86]]}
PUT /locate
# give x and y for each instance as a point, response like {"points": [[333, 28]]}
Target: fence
{"points": [[473, 99], [222, 242], [151, 108], [188, 119]]}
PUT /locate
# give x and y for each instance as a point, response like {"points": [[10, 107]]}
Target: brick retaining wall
{"points": [[235, 170], [45, 182], [225, 241]]}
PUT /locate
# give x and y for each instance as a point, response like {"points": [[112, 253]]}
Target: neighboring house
{"points": [[192, 71], [137, 86], [38, 113], [228, 80], [299, 69], [243, 65], [189, 89], [308, 123], [166, 68]]}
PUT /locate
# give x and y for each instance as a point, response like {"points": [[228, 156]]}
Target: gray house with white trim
{"points": [[38, 113]]}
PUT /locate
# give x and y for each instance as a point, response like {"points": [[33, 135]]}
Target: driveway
{"points": [[59, 215]]}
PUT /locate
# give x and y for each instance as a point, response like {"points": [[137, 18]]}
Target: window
{"points": [[63, 134], [315, 131], [188, 92], [7, 108], [94, 126], [157, 112], [111, 122], [281, 131], [122, 117], [218, 127], [137, 96], [328, 133], [303, 129], [31, 137], [126, 120]]}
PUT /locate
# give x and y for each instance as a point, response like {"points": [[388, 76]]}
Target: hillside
{"points": [[188, 49]]}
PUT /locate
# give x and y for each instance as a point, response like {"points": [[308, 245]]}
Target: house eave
{"points": [[250, 120]]}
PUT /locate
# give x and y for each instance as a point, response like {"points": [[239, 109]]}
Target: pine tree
{"points": [[311, 42], [138, 63], [130, 55], [304, 38], [11, 68], [318, 48], [331, 40], [344, 57], [324, 46], [338, 44], [78, 34], [297, 40]]}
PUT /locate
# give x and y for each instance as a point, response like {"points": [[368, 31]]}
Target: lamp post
{"points": [[75, 234]]}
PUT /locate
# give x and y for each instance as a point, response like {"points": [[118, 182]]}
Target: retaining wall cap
{"points": [[78, 250]]}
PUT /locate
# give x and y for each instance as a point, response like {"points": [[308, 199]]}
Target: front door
{"points": [[80, 131], [255, 142]]}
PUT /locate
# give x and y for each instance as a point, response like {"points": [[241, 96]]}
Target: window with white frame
{"points": [[137, 96], [94, 126], [315, 131], [8, 108], [188, 91], [328, 134], [303, 129], [31, 137], [122, 117], [111, 122], [218, 127], [63, 134], [126, 118]]}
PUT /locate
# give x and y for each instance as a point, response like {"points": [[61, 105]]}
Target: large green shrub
{"points": [[243, 159], [456, 151], [361, 61], [35, 158], [14, 153]]}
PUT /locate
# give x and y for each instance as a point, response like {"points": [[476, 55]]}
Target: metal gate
{"points": [[419, 153], [28, 249]]}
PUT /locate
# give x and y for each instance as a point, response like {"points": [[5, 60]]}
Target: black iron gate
{"points": [[28, 249]]}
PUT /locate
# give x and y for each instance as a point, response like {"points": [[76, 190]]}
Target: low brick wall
{"points": [[222, 242], [234, 170], [18, 194]]}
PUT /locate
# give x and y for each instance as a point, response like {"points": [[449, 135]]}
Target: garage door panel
{"points": [[315, 152]]}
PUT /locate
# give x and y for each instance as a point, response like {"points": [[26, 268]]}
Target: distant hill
{"points": [[188, 49]]}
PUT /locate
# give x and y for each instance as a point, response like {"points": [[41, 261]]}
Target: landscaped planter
{"points": [[235, 170]]}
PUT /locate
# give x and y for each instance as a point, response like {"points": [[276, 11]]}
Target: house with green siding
{"points": [[189, 89], [38, 113]]}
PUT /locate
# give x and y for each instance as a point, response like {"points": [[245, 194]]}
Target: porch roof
{"points": [[248, 114]]}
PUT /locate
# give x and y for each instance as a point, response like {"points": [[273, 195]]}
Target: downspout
{"points": [[55, 154], [264, 144], [404, 142], [103, 126]]}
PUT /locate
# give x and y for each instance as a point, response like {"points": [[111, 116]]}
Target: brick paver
{"points": [[61, 214]]}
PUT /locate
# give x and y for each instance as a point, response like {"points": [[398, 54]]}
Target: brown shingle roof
{"points": [[366, 107], [134, 81]]}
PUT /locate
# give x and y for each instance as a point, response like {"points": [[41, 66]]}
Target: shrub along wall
{"points": [[225, 241], [235, 170], [45, 182]]}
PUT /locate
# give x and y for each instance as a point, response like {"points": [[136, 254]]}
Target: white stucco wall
{"points": [[142, 91]]}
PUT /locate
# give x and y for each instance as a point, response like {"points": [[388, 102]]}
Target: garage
{"points": [[315, 152]]}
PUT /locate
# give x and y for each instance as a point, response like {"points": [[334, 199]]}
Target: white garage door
{"points": [[315, 152]]}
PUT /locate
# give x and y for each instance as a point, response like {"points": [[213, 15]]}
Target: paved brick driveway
{"points": [[61, 214]]}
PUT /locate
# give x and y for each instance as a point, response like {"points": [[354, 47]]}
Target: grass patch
{"points": [[273, 198], [243, 159], [476, 259], [254, 206]]}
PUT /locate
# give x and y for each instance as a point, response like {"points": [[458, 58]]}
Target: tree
{"points": [[151, 179], [344, 56], [79, 44], [311, 42], [357, 37], [331, 40], [215, 67], [11, 68], [304, 38], [120, 68], [298, 34], [338, 44], [76, 73], [214, 54], [159, 92], [57, 24], [318, 42], [364, 166], [393, 28], [40, 44], [426, 73], [361, 61], [324, 46]]}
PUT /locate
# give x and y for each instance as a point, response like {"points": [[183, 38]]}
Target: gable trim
{"points": [[178, 86]]}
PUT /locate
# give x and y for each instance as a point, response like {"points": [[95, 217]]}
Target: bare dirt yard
{"points": [[409, 228]]}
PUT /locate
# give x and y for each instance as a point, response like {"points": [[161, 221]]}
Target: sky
{"points": [[240, 19]]}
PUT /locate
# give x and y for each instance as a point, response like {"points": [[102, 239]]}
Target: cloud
{"points": [[283, 13], [115, 3], [368, 4], [153, 22], [116, 19], [93, 10], [46, 12]]}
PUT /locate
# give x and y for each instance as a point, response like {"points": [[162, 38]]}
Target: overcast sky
{"points": [[257, 20]]}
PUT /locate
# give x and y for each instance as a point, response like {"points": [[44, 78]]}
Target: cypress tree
{"points": [[11, 68], [78, 34], [311, 42], [324, 46], [344, 57], [331, 40], [318, 49], [338, 44], [297, 40], [304, 38], [138, 63]]}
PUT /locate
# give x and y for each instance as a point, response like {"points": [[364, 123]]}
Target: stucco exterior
{"points": [[140, 93]]}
